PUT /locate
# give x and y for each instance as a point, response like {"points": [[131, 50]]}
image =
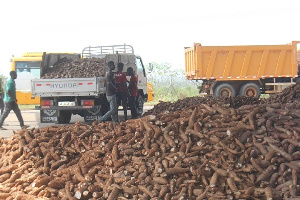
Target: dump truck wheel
{"points": [[224, 90], [64, 117], [250, 90]]}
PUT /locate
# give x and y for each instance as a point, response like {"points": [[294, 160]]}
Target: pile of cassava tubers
{"points": [[206, 151], [78, 68], [288, 95], [167, 107]]}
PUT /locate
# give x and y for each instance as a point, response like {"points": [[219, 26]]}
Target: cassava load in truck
{"points": [[74, 83], [242, 70]]}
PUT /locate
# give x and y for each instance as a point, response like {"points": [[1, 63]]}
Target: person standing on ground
{"points": [[10, 101], [133, 91], [122, 94], [1, 104], [1, 97], [111, 91]]}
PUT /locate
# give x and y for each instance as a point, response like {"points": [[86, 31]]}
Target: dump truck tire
{"points": [[224, 90], [250, 90]]}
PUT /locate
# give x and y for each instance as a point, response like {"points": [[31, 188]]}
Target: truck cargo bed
{"points": [[68, 87]]}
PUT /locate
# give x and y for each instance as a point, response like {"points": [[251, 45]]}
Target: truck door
{"points": [[141, 74]]}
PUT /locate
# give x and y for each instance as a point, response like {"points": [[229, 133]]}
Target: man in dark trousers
{"points": [[111, 91], [122, 93], [1, 97], [1, 104], [133, 92], [10, 101]]}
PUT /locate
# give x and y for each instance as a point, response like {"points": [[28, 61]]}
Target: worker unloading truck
{"points": [[80, 89], [228, 71]]}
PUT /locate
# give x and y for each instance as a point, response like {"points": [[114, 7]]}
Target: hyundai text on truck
{"points": [[63, 97], [242, 70]]}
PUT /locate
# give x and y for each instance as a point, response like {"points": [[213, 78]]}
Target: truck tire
{"points": [[140, 105], [250, 90], [64, 117], [224, 90]]}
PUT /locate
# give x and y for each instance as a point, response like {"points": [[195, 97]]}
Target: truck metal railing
{"points": [[98, 51], [276, 87]]}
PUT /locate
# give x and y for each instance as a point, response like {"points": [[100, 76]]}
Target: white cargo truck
{"points": [[63, 97]]}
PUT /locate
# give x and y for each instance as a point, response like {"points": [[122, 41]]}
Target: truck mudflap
{"points": [[49, 116], [93, 114]]}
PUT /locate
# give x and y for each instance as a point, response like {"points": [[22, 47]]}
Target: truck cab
{"points": [[124, 54], [27, 67]]}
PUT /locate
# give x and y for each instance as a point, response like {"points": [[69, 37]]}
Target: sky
{"points": [[157, 29]]}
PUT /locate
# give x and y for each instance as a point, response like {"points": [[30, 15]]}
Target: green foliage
{"points": [[164, 69], [28, 107], [170, 84], [164, 93], [264, 96]]}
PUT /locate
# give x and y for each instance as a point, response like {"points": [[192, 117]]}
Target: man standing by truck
{"points": [[133, 91], [111, 91], [1, 97], [122, 94], [10, 101]]}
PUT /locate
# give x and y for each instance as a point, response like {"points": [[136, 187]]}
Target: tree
{"points": [[162, 72], [169, 83]]}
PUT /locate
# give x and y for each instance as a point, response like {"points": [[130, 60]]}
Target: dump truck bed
{"points": [[241, 62]]}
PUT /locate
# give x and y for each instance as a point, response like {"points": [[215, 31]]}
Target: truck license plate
{"points": [[66, 103]]}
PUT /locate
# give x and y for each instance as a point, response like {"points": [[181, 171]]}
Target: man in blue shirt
{"points": [[10, 101]]}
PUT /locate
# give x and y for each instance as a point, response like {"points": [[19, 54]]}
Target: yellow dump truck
{"points": [[242, 70]]}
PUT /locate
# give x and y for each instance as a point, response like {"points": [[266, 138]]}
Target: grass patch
{"points": [[27, 107], [264, 96], [167, 94]]}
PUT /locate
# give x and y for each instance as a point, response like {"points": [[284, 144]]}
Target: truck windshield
{"points": [[32, 67], [140, 66]]}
